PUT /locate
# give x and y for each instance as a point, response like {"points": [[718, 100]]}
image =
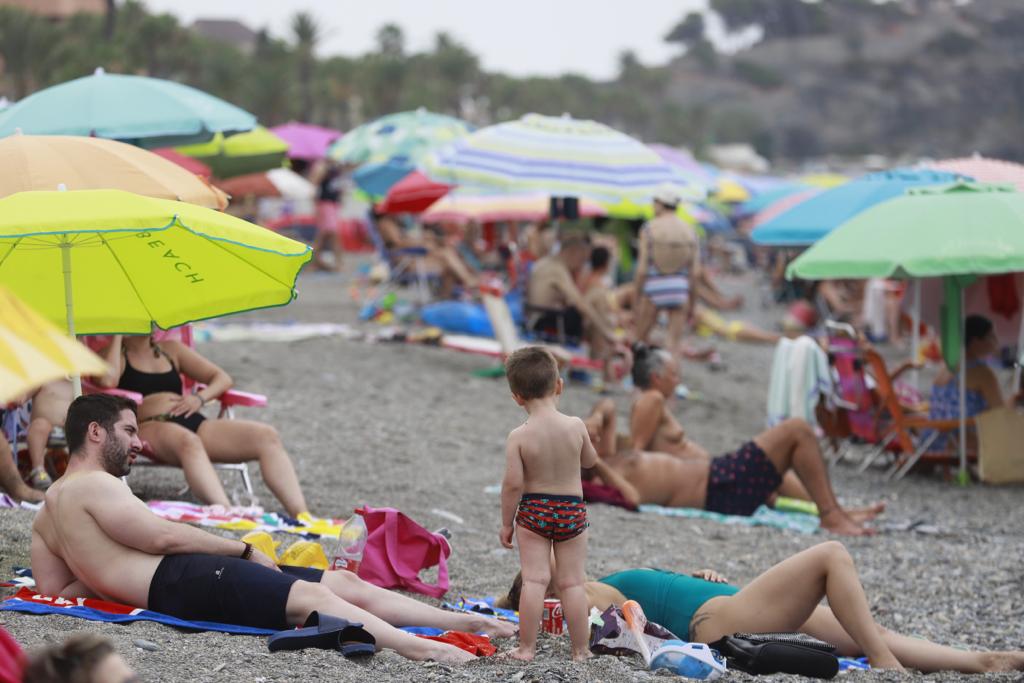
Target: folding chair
{"points": [[911, 434]]}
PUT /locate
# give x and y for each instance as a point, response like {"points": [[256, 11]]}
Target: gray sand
{"points": [[409, 427]]}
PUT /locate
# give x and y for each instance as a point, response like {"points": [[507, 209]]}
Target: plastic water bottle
{"points": [[351, 543]]}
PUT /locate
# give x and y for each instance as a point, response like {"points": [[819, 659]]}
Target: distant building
{"points": [[227, 31], [58, 9]]}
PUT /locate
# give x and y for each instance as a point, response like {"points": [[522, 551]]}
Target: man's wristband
{"points": [[247, 553]]}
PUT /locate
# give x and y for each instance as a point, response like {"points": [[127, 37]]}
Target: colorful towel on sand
{"points": [[482, 606], [763, 516], [7, 502], [244, 519], [271, 332], [27, 600]]}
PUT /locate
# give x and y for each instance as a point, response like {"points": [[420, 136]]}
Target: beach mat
{"points": [[251, 519], [271, 332], [482, 606], [763, 516], [28, 601]]}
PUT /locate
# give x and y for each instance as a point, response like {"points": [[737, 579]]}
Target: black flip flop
{"points": [[326, 632]]}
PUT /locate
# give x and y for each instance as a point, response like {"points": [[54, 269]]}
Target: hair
{"points": [[532, 372], [599, 257], [104, 409], [73, 661], [647, 360], [976, 327], [511, 599], [574, 240]]}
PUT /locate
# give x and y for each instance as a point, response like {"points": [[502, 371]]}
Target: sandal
{"points": [[327, 633], [39, 479]]}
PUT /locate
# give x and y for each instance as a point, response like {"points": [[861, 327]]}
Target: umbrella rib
{"points": [[217, 243]]}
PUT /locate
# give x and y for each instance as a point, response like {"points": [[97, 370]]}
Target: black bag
{"points": [[771, 653]]}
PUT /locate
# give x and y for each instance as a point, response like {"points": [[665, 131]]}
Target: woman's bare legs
{"points": [[535, 560], [401, 610], [914, 653], [49, 408], [646, 316], [175, 445], [676, 329], [306, 597], [10, 479], [784, 598], [245, 440]]}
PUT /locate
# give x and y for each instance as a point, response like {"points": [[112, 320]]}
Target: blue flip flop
{"points": [[326, 632]]}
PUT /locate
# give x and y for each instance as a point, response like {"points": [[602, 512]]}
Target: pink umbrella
{"points": [[306, 141], [984, 170], [188, 163]]}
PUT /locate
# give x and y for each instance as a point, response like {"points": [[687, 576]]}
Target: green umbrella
{"points": [[954, 232], [253, 152], [148, 112]]}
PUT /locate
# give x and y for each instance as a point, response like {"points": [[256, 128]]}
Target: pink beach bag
{"points": [[398, 549]]}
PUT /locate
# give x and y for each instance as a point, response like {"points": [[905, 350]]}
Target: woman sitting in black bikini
{"points": [[181, 435]]}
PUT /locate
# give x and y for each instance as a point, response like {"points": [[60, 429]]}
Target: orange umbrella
{"points": [[53, 162]]}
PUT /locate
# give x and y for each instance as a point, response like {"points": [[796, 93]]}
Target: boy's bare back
{"points": [[552, 448]]}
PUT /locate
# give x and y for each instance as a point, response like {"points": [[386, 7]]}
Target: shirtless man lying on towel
{"points": [[93, 538]]}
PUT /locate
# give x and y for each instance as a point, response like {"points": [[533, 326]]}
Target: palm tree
{"points": [[307, 34]]}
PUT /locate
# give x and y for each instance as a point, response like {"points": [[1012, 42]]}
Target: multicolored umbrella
{"points": [[555, 156], [252, 152], [412, 194], [391, 147], [457, 207], [34, 352], [50, 162], [811, 220], [984, 170], [306, 141], [129, 261], [762, 200], [148, 112], [780, 206]]}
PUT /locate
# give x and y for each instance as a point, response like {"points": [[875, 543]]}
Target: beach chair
{"points": [[405, 265], [910, 433]]}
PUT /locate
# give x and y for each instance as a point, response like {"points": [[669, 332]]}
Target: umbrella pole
{"points": [[962, 475], [915, 334], [65, 258]]}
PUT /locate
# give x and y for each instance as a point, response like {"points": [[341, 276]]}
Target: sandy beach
{"points": [[410, 427]]}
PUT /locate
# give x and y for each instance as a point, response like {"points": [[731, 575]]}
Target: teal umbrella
{"points": [[391, 147], [148, 112], [954, 232]]}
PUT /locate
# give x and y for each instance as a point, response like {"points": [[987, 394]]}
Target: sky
{"points": [[520, 38]]}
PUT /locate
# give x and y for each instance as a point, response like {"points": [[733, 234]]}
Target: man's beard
{"points": [[116, 458]]}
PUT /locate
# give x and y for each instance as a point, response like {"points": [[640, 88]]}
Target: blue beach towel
{"points": [[763, 516]]}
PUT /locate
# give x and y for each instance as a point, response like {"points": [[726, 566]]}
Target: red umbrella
{"points": [[255, 184], [188, 163], [412, 194]]}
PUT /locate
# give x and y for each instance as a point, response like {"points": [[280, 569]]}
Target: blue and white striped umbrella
{"points": [[556, 156]]}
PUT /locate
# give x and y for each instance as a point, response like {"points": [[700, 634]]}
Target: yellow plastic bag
{"points": [[304, 554]]}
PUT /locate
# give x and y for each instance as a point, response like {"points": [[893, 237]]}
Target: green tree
{"points": [[307, 34], [687, 31], [24, 44]]}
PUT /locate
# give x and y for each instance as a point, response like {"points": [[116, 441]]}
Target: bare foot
{"points": [[23, 492], [495, 628], [866, 514], [838, 522], [582, 656], [449, 654], [522, 653]]}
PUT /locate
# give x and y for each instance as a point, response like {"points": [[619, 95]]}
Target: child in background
{"points": [[542, 495]]}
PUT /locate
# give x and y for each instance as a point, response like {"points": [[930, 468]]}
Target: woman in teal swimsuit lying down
{"points": [[703, 608]]}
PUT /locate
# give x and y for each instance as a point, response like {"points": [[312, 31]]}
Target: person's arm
{"points": [[511, 488], [611, 476], [642, 257], [588, 455], [696, 275], [710, 575], [114, 357], [572, 294], [127, 520], [990, 391], [200, 369], [643, 424]]}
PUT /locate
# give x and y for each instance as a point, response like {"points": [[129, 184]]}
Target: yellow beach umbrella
{"points": [[34, 352], [49, 162], [824, 180], [730, 191]]}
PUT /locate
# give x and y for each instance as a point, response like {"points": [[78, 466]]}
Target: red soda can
{"points": [[551, 617]]}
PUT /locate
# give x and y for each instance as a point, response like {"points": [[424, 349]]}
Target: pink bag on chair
{"points": [[397, 549]]}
